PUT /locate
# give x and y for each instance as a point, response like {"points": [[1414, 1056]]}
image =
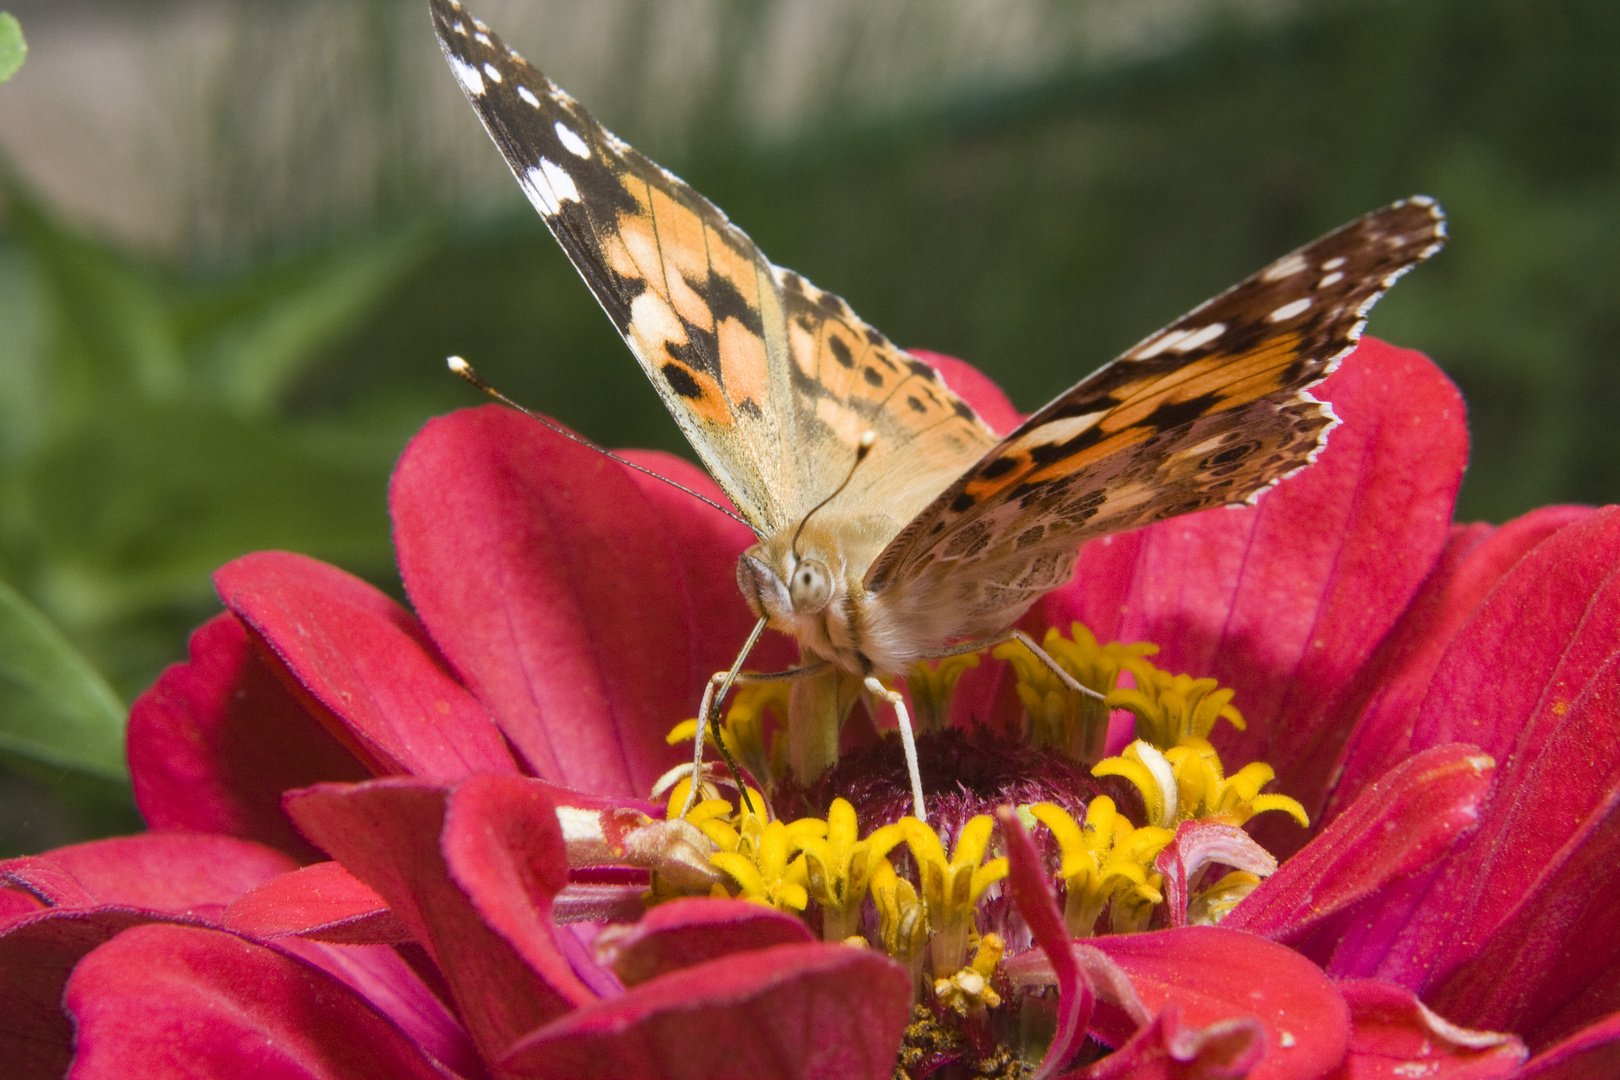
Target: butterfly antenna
{"points": [[465, 370], [862, 448]]}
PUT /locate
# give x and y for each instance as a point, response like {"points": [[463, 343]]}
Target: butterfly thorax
{"points": [[808, 583]]}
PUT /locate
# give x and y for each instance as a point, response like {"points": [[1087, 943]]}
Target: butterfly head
{"points": [[804, 588], [787, 582]]}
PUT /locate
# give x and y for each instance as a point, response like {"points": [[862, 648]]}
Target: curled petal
{"points": [[1534, 679], [37, 954], [1395, 1034], [1199, 844]]}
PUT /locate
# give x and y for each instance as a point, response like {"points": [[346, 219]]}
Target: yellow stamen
{"points": [[902, 917], [933, 686], [951, 887], [1059, 718], [1151, 774], [1211, 905], [762, 863], [840, 868], [1104, 861], [1173, 708], [1206, 794]]}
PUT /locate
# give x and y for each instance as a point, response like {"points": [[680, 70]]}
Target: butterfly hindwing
{"points": [[772, 380], [1213, 409]]}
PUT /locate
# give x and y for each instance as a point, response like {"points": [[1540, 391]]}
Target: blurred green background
{"points": [[237, 241]]}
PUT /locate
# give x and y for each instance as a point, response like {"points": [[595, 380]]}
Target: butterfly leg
{"points": [[907, 740], [1015, 634], [720, 684]]}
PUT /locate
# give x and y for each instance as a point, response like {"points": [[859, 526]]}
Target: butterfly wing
{"points": [[1213, 409], [772, 380]]}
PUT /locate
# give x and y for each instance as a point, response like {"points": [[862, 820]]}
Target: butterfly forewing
{"points": [[1213, 409], [772, 380]]}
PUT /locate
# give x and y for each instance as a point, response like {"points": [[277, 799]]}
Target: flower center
{"points": [[845, 855]]}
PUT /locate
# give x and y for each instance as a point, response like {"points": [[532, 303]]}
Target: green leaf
{"points": [[54, 707], [12, 46]]}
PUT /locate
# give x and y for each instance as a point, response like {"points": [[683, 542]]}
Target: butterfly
{"points": [[894, 525]]}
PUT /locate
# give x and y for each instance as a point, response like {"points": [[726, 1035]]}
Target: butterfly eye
{"points": [[811, 586]]}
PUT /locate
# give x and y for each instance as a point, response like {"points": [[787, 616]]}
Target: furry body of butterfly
{"points": [[949, 532]]}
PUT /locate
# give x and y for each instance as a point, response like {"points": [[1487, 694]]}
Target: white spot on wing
{"points": [[483, 39], [1330, 279], [571, 141], [459, 27], [467, 76], [528, 95], [561, 183], [1154, 348], [492, 71], [1197, 339], [1290, 309], [538, 189], [1283, 268], [1334, 263]]}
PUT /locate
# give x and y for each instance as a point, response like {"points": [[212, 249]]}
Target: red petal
{"points": [[323, 902], [381, 975], [17, 904], [169, 1001], [1552, 966], [1532, 679], [1032, 893], [1215, 974], [504, 847], [1399, 826], [974, 387], [36, 956], [1165, 1049], [216, 740], [1592, 1052], [794, 1012], [367, 663], [1197, 845], [169, 872], [387, 833], [1285, 600], [1394, 1035], [554, 585], [1382, 703], [682, 933]]}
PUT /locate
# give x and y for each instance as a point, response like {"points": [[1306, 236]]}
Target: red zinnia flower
{"points": [[1444, 702]]}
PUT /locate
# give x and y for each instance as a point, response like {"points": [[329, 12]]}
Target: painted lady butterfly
{"points": [[946, 533]]}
